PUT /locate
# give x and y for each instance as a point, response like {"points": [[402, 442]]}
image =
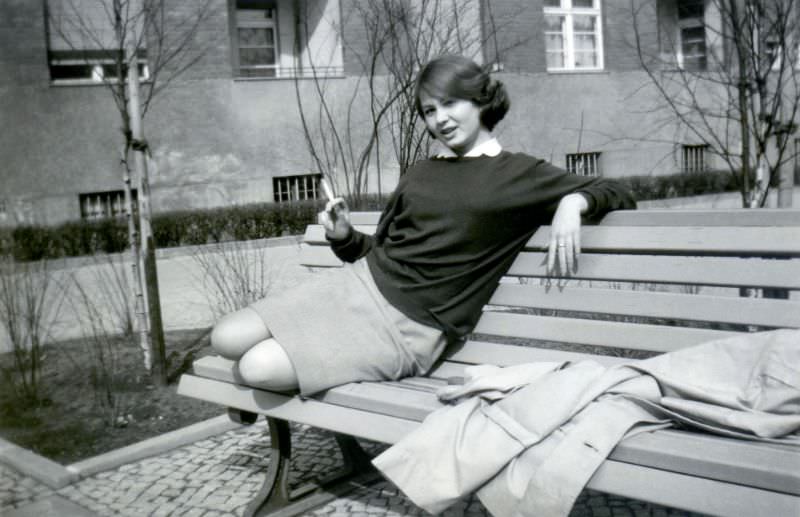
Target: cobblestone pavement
{"points": [[219, 475]]}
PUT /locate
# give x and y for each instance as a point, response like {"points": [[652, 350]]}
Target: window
{"points": [[692, 52], [694, 158], [99, 205], [296, 188], [82, 46], [256, 33], [584, 164], [573, 35], [263, 34]]}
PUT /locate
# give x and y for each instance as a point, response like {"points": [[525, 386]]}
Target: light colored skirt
{"points": [[337, 328]]}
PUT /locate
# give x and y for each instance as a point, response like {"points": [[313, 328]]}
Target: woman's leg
{"points": [[237, 332], [267, 366], [242, 336]]}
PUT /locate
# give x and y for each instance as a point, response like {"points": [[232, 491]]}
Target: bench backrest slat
{"points": [[635, 336], [714, 271], [769, 217], [670, 240], [689, 307], [671, 217], [718, 240]]}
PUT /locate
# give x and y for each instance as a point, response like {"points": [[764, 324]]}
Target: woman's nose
{"points": [[441, 116]]}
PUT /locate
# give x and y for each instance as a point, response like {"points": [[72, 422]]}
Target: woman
{"points": [[449, 232]]}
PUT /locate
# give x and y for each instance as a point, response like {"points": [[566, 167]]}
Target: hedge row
{"points": [[682, 184], [170, 229], [258, 221]]}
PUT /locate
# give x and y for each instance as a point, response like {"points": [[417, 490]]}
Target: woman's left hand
{"points": [[565, 234]]}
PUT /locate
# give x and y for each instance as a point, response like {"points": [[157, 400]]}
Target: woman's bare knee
{"points": [[237, 332], [267, 366]]}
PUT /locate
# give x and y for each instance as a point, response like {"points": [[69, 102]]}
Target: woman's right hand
{"points": [[336, 219]]}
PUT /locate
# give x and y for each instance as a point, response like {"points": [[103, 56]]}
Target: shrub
{"points": [[31, 243], [682, 184]]}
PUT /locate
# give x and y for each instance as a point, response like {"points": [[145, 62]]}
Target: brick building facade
{"points": [[228, 130]]}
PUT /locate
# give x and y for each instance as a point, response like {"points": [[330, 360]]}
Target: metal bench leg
{"points": [[275, 497], [274, 493]]}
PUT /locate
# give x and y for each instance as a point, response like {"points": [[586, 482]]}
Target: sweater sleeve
{"points": [[353, 247], [602, 194], [358, 244]]}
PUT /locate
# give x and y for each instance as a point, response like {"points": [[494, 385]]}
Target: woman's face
{"points": [[454, 122]]}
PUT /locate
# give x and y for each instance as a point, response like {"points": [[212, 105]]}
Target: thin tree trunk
{"points": [[138, 305], [148, 247]]}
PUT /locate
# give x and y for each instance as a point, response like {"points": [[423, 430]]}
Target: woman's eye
{"points": [[448, 102]]}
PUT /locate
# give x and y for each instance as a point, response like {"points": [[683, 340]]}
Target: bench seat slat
{"points": [[481, 352], [362, 424], [656, 338], [691, 307], [712, 271], [697, 494], [750, 463], [736, 241]]}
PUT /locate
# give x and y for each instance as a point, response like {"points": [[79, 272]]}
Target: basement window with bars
{"points": [[297, 188], [693, 158], [584, 164], [101, 205]]}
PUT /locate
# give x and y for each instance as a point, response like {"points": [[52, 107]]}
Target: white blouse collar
{"points": [[489, 148]]}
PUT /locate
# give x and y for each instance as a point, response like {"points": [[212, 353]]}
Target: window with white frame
{"points": [[573, 35], [266, 42], [692, 46], [296, 188], [100, 205], [82, 45], [584, 164], [694, 158]]}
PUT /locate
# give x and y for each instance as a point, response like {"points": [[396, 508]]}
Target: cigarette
{"points": [[327, 189]]}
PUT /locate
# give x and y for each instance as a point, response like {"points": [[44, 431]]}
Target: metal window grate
{"points": [[584, 164], [694, 158], [296, 188], [99, 205]]}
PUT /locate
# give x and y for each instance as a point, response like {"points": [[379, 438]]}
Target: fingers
{"points": [[552, 251], [563, 252], [335, 204]]}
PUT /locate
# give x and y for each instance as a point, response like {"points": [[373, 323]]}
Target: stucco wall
{"points": [[219, 141]]}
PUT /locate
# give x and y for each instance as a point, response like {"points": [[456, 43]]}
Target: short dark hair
{"points": [[461, 78]]}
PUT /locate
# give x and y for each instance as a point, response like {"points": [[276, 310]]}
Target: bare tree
{"points": [[726, 72], [345, 133], [136, 48]]}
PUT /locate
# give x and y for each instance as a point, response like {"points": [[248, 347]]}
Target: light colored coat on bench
{"points": [[532, 451]]}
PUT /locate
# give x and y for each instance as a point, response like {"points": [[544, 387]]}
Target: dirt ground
{"points": [[78, 417]]}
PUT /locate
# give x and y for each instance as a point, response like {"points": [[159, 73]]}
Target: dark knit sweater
{"points": [[453, 227]]}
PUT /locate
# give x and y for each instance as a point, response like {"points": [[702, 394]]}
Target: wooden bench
{"points": [[649, 281]]}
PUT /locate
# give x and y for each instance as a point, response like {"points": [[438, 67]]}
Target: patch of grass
{"points": [[69, 426]]}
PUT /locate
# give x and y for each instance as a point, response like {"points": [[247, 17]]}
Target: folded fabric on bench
{"points": [[530, 446]]}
